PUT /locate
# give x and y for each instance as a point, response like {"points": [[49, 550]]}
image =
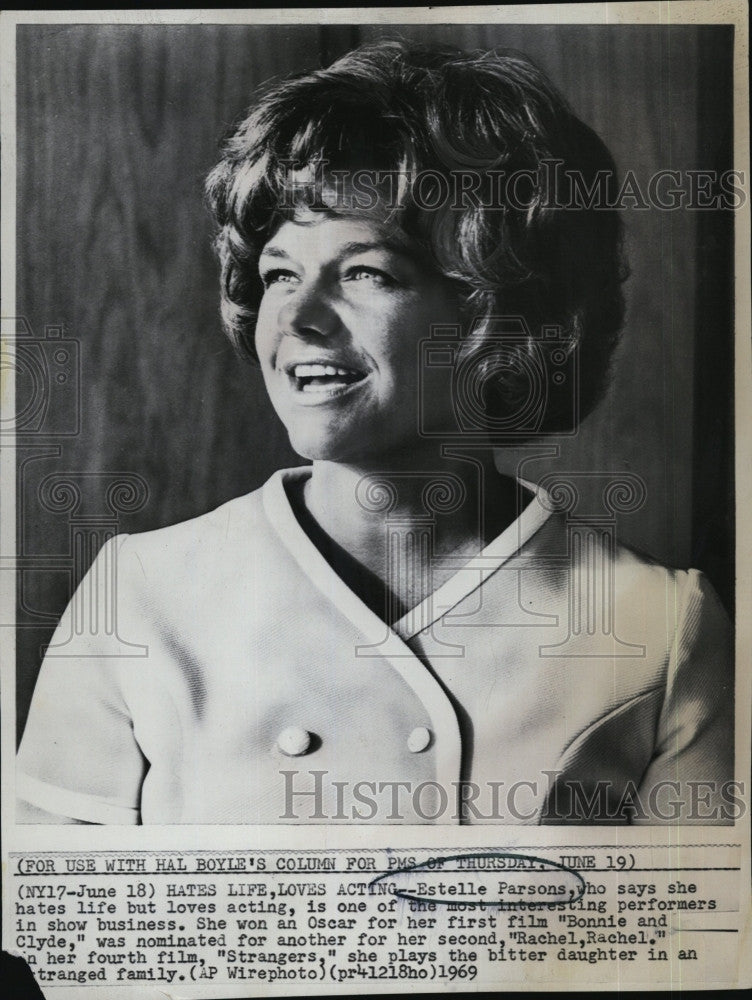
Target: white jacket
{"points": [[219, 671]]}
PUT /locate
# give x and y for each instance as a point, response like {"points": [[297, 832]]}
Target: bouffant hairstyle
{"points": [[479, 160]]}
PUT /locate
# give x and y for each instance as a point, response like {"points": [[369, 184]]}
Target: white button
{"points": [[294, 741], [419, 739]]}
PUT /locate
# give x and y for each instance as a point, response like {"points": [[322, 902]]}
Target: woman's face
{"points": [[345, 306]]}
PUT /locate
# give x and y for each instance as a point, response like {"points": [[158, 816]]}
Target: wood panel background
{"points": [[117, 127]]}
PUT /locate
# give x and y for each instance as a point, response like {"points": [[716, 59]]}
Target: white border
{"points": [[51, 838]]}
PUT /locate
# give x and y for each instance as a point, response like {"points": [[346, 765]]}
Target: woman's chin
{"points": [[315, 449], [351, 449]]}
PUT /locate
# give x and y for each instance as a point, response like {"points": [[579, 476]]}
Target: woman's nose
{"points": [[307, 312]]}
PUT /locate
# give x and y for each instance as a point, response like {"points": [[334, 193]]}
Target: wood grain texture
{"points": [[117, 128]]}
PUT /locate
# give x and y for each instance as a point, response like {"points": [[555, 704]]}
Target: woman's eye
{"points": [[277, 276], [372, 275]]}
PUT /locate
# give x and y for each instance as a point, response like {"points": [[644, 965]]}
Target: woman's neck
{"points": [[460, 504]]}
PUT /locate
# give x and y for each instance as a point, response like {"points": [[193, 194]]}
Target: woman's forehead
{"points": [[329, 233]]}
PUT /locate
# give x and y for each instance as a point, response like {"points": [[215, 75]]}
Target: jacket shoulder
{"points": [[189, 549], [590, 555]]}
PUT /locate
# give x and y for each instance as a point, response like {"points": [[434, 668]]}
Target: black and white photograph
{"points": [[375, 433]]}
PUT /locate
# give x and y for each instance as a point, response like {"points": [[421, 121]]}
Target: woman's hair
{"points": [[478, 159]]}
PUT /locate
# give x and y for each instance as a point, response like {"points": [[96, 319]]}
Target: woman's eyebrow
{"points": [[348, 250], [274, 252], [391, 246]]}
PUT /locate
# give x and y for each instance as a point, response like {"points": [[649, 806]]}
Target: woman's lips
{"points": [[323, 379]]}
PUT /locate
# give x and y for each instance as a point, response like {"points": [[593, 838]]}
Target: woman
{"points": [[394, 633]]}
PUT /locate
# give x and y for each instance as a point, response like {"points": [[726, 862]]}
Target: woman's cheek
{"points": [[263, 338]]}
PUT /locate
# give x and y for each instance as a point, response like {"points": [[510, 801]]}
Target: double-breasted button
{"points": [[294, 741], [419, 739]]}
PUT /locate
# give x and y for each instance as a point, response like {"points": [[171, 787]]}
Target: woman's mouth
{"points": [[323, 379]]}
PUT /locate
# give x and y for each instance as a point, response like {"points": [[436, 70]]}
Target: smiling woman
{"points": [[337, 338], [418, 630]]}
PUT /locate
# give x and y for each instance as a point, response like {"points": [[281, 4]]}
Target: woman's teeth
{"points": [[319, 377]]}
